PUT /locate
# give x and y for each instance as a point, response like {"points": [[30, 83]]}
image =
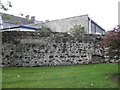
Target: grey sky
{"points": [[104, 12]]}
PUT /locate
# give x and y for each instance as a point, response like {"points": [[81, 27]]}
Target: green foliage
{"points": [[80, 76], [44, 29], [112, 42], [4, 7], [77, 30], [7, 18]]}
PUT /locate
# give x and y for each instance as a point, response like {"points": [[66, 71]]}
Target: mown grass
{"points": [[79, 76]]}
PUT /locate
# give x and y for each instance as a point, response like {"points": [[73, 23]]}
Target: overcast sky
{"points": [[103, 12]]}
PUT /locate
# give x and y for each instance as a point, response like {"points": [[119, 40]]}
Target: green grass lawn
{"points": [[79, 76]]}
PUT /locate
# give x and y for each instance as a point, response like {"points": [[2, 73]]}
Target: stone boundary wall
{"points": [[28, 49]]}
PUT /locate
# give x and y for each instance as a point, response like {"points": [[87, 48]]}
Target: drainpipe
{"points": [[89, 26]]}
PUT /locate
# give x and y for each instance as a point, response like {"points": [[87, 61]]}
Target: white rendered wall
{"points": [[1, 22], [64, 25]]}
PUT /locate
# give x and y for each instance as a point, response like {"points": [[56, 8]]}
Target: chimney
{"points": [[33, 18], [46, 20], [27, 17]]}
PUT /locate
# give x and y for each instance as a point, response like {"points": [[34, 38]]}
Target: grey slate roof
{"points": [[15, 19]]}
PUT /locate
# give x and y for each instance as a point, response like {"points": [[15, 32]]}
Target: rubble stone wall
{"points": [[47, 49]]}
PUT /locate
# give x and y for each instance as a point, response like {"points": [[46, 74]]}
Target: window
{"points": [[93, 28]]}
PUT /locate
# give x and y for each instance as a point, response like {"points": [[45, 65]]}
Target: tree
{"points": [[112, 42], [5, 7], [77, 30], [44, 29]]}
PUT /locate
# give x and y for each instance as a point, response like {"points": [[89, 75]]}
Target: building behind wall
{"points": [[65, 25], [7, 20], [94, 28], [60, 25]]}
